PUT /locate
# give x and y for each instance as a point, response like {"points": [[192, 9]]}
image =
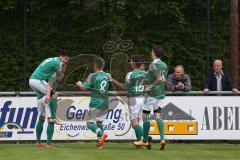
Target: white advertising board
{"points": [[185, 118]]}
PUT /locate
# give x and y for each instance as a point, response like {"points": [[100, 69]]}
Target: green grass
{"points": [[120, 151]]}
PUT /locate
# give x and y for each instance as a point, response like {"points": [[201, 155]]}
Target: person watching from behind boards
{"points": [[179, 80], [218, 80]]}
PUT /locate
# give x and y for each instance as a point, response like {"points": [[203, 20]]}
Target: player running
{"points": [[134, 85], [156, 75], [99, 86], [44, 81]]}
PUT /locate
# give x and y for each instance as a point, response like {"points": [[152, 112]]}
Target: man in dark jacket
{"points": [[218, 80]]}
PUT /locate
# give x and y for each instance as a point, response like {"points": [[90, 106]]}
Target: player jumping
{"points": [[135, 87], [156, 75], [99, 86], [44, 81]]}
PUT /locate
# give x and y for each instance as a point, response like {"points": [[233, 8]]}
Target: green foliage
{"points": [[83, 27]]}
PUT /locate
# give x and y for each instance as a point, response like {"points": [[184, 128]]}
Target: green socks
{"points": [[138, 132], [39, 130], [94, 128], [100, 126], [50, 130], [160, 128], [53, 107], [146, 128], [50, 127]]}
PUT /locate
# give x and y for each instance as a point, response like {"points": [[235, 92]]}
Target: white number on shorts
{"points": [[102, 86]]}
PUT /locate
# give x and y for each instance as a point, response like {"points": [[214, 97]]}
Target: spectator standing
{"points": [[218, 80]]}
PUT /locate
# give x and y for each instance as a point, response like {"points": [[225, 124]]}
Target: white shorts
{"points": [[41, 86], [151, 103], [38, 85], [43, 108], [97, 114], [135, 105]]}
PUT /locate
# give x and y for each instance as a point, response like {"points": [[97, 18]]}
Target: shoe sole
{"points": [[137, 146], [149, 146]]}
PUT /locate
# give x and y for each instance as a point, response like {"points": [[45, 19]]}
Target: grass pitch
{"points": [[120, 151]]}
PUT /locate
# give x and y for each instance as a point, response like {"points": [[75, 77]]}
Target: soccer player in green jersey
{"points": [[99, 86], [44, 81], [134, 84], [156, 75]]}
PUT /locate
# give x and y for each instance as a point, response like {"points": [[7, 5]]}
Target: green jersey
{"points": [[134, 82], [99, 85], [49, 70], [45, 70], [157, 68]]}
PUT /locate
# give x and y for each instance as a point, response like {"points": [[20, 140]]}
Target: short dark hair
{"points": [[64, 53], [99, 63], [137, 60], [157, 50]]}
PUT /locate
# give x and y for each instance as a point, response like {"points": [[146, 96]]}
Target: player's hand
{"points": [[206, 90], [235, 90], [79, 83], [148, 88], [47, 99], [110, 78]]}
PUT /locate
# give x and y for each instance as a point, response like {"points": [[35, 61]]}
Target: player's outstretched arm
{"points": [[114, 81], [157, 81], [81, 86]]}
